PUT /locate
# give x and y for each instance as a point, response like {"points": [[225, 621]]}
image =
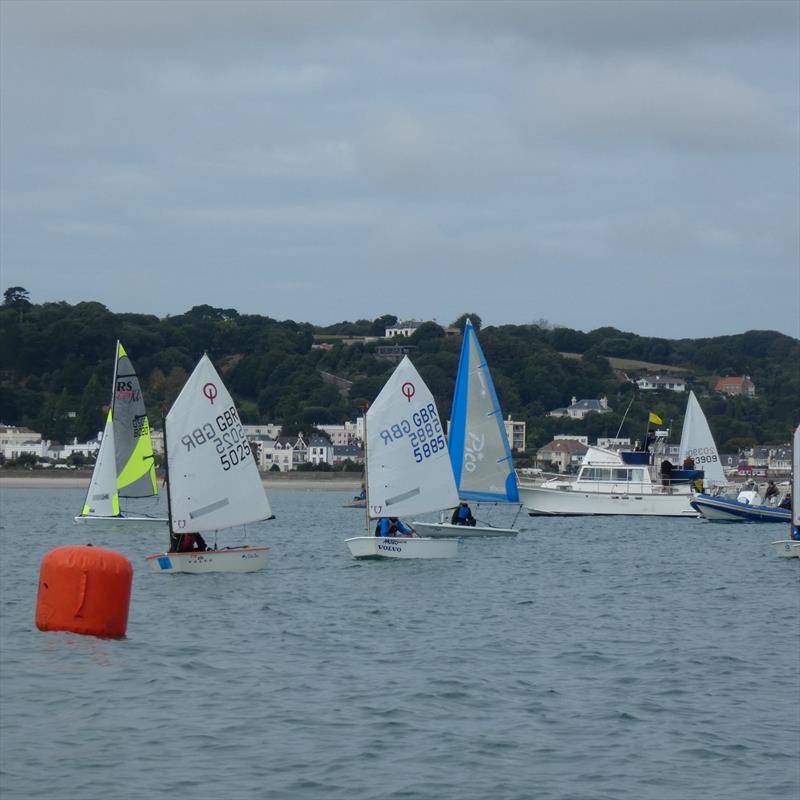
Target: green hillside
{"points": [[57, 364]]}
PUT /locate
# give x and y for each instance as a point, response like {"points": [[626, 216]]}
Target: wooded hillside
{"points": [[57, 368]]}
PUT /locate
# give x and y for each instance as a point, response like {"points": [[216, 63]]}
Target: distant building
{"points": [[394, 352], [736, 386], [348, 452], [15, 441], [580, 408], [407, 328], [516, 433], [320, 450], [651, 383], [288, 452], [565, 453]]}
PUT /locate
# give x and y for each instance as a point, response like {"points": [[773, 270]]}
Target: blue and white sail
{"points": [[479, 450]]}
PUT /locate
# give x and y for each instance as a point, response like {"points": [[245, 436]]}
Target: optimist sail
{"points": [[479, 450], [698, 443], [408, 464], [213, 478]]}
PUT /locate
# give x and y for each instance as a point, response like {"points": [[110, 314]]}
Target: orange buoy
{"points": [[84, 589]]}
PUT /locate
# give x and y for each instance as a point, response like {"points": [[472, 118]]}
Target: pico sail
{"points": [[479, 451], [212, 478], [408, 469], [124, 467]]}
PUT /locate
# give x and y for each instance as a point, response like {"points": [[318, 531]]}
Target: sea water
{"points": [[651, 659]]}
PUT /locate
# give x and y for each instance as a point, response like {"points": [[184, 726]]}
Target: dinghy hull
{"points": [[787, 549], [234, 559], [401, 547]]}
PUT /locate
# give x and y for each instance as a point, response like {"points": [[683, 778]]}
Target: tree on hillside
{"points": [[380, 324], [16, 297], [461, 321]]}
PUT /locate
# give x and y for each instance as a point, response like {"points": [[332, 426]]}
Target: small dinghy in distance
{"points": [[790, 548], [124, 467], [407, 468], [479, 451], [212, 479]]}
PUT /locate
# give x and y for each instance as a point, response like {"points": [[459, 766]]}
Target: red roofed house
{"points": [[564, 452], [736, 385]]}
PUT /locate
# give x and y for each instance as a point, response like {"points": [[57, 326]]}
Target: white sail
{"points": [[408, 464], [698, 443], [796, 479], [102, 499], [213, 478]]}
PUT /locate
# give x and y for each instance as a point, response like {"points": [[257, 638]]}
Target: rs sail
{"points": [[479, 449], [136, 472], [124, 466]]}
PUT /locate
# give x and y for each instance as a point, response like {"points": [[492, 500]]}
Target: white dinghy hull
{"points": [[401, 547], [446, 530], [80, 519], [787, 549], [234, 559]]}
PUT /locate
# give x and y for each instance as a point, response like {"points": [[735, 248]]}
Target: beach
{"points": [[76, 479]]}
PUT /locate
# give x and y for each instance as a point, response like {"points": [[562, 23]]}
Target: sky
{"points": [[625, 164]]}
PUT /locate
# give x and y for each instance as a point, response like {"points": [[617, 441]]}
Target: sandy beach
{"points": [[326, 481]]}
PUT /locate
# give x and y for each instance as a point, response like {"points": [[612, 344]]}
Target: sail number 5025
{"points": [[228, 438]]}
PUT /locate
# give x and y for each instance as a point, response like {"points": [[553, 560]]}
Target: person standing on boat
{"points": [[392, 526], [772, 491], [462, 515]]}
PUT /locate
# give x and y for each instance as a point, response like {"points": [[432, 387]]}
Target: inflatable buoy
{"points": [[84, 589]]}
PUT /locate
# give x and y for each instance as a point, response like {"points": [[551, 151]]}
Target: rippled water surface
{"points": [[587, 658]]}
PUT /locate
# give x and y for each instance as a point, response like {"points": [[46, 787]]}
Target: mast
{"points": [[166, 477], [366, 471]]}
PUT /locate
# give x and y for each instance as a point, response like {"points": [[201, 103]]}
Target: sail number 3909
{"points": [[229, 439]]}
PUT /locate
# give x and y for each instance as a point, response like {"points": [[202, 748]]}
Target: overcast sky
{"points": [[634, 164]]}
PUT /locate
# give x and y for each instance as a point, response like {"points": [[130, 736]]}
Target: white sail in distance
{"points": [[698, 443]]}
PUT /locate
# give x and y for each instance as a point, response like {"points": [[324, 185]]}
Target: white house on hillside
{"points": [[580, 408], [406, 328], [650, 383]]}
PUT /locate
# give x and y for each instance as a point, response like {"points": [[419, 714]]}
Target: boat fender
{"points": [[85, 590]]}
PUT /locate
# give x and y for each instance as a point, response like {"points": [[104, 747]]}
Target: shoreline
{"points": [[326, 481]]}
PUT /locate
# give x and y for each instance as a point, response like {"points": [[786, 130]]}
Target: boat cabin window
{"points": [[616, 474]]}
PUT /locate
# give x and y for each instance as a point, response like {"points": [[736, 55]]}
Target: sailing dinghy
{"points": [[407, 467], [479, 451], [790, 548], [124, 465], [212, 479]]}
